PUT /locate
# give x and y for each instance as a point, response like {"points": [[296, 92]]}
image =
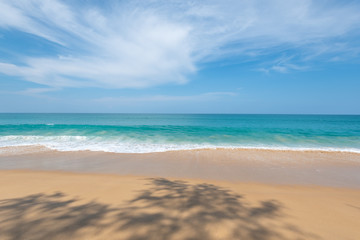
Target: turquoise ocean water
{"points": [[140, 133]]}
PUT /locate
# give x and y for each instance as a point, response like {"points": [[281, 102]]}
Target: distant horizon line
{"points": [[339, 114]]}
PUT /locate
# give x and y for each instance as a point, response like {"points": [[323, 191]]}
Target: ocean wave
{"points": [[128, 145]]}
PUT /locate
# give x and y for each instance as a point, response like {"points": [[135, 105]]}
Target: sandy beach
{"points": [[335, 169], [203, 194], [60, 205]]}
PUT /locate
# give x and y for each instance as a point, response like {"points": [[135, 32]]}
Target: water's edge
{"points": [[146, 133]]}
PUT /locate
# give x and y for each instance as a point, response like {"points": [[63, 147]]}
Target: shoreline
{"points": [[338, 169], [5, 149], [11, 150], [63, 205]]}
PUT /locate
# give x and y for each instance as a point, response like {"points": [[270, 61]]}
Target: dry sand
{"points": [[61, 205]]}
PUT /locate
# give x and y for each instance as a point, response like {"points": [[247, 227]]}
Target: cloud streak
{"points": [[204, 97], [139, 44]]}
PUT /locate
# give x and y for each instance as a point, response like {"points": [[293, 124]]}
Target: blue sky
{"points": [[233, 56]]}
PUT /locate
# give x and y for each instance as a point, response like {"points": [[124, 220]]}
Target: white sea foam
{"points": [[126, 145]]}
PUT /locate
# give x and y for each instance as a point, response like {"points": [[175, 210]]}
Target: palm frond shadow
{"points": [[165, 210]]}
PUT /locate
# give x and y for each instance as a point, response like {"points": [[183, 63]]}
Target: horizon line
{"points": [[138, 113]]}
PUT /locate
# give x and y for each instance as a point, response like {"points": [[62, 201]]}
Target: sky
{"points": [[179, 56]]}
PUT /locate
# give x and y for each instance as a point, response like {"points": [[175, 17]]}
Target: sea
{"points": [[145, 133]]}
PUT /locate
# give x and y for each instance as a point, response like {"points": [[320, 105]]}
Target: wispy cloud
{"points": [[135, 44], [36, 91], [282, 65], [167, 98]]}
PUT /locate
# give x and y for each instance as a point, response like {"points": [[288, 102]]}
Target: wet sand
{"points": [[340, 169], [60, 205]]}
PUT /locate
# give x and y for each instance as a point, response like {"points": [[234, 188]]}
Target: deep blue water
{"points": [[161, 132]]}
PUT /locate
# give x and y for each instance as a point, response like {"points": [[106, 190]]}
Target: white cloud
{"points": [[282, 65], [167, 98], [36, 91], [138, 44]]}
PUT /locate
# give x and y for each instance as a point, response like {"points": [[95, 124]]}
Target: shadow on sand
{"points": [[165, 210]]}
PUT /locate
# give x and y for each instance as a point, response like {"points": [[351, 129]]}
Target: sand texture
{"points": [[340, 169], [59, 205]]}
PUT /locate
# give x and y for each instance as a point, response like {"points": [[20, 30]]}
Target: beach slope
{"points": [[61, 205]]}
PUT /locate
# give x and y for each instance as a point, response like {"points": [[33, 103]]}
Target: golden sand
{"points": [[61, 205]]}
